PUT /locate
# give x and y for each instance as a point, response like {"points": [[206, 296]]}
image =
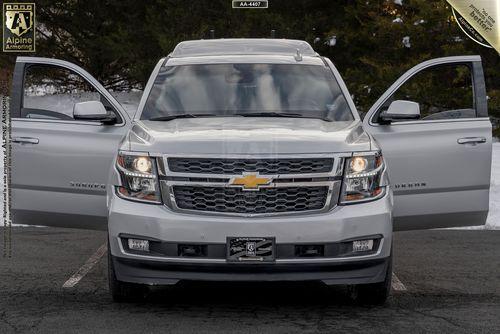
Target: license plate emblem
{"points": [[250, 249]]}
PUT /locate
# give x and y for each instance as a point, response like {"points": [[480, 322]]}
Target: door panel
{"points": [[59, 165], [439, 169]]}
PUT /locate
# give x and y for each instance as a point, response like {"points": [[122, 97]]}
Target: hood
{"points": [[247, 135]]}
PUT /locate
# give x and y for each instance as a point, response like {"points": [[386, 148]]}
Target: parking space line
{"points": [[397, 285], [91, 262]]}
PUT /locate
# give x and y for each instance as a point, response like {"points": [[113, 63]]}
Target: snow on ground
{"points": [[129, 100], [63, 103], [493, 221]]}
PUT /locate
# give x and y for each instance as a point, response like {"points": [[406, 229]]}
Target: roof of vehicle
{"points": [[242, 46], [243, 59]]}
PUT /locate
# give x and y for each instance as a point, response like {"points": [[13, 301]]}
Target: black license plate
{"points": [[250, 249]]}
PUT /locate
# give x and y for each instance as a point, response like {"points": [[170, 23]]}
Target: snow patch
{"points": [[397, 20], [406, 42], [332, 41], [50, 99], [493, 221], [129, 100], [398, 2]]}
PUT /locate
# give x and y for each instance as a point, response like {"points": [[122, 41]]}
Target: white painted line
{"points": [[397, 284], [91, 262]]}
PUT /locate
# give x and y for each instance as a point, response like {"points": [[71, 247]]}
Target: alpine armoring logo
{"points": [[18, 27]]}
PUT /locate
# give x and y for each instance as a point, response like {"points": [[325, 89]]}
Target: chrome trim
{"points": [[334, 172], [169, 201], [334, 186], [369, 199], [366, 153], [270, 185], [208, 260], [135, 153], [132, 199], [430, 121], [276, 176]]}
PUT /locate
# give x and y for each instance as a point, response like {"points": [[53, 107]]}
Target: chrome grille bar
{"points": [[172, 181]]}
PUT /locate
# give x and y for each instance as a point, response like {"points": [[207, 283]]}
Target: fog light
{"points": [[362, 245], [138, 245]]}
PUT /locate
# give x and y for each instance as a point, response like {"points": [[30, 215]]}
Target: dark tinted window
{"points": [[228, 89]]}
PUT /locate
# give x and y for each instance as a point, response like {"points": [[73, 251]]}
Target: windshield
{"points": [[288, 90]]}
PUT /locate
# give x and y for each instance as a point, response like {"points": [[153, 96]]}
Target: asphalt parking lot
{"points": [[450, 282]]}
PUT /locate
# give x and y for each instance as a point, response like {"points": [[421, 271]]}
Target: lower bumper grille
{"points": [[234, 200]]}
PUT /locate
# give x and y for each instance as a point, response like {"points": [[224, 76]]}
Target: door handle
{"points": [[25, 140], [471, 140]]}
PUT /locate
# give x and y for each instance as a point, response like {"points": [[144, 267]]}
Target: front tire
{"points": [[374, 293], [123, 292]]}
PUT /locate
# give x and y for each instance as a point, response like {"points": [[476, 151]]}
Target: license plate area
{"points": [[248, 249]]}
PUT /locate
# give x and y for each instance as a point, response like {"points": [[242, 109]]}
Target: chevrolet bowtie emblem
{"points": [[250, 181]]}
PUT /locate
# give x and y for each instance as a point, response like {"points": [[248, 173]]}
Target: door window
{"points": [[442, 92], [50, 92]]}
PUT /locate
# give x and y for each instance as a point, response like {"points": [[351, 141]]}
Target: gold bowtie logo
{"points": [[250, 181]]}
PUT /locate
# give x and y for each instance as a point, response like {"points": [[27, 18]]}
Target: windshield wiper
{"points": [[251, 114], [270, 114], [171, 117], [280, 114]]}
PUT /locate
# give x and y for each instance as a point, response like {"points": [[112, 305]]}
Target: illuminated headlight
{"points": [[142, 164], [358, 164], [139, 177], [362, 178]]}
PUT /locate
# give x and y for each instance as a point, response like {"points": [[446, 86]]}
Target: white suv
{"points": [[247, 161]]}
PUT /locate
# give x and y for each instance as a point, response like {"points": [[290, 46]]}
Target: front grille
{"points": [[234, 200], [238, 166]]}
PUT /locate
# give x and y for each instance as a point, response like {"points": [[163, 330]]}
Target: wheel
{"points": [[374, 293], [123, 292]]}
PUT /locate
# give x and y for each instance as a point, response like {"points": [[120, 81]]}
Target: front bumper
{"points": [[159, 223], [154, 272]]}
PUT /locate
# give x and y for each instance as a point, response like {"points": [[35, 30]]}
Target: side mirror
{"points": [[400, 110], [93, 111]]}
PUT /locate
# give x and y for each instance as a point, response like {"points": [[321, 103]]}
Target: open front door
{"points": [[61, 158], [439, 161]]}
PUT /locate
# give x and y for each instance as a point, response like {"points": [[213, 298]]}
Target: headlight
{"points": [[362, 178], [139, 177]]}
